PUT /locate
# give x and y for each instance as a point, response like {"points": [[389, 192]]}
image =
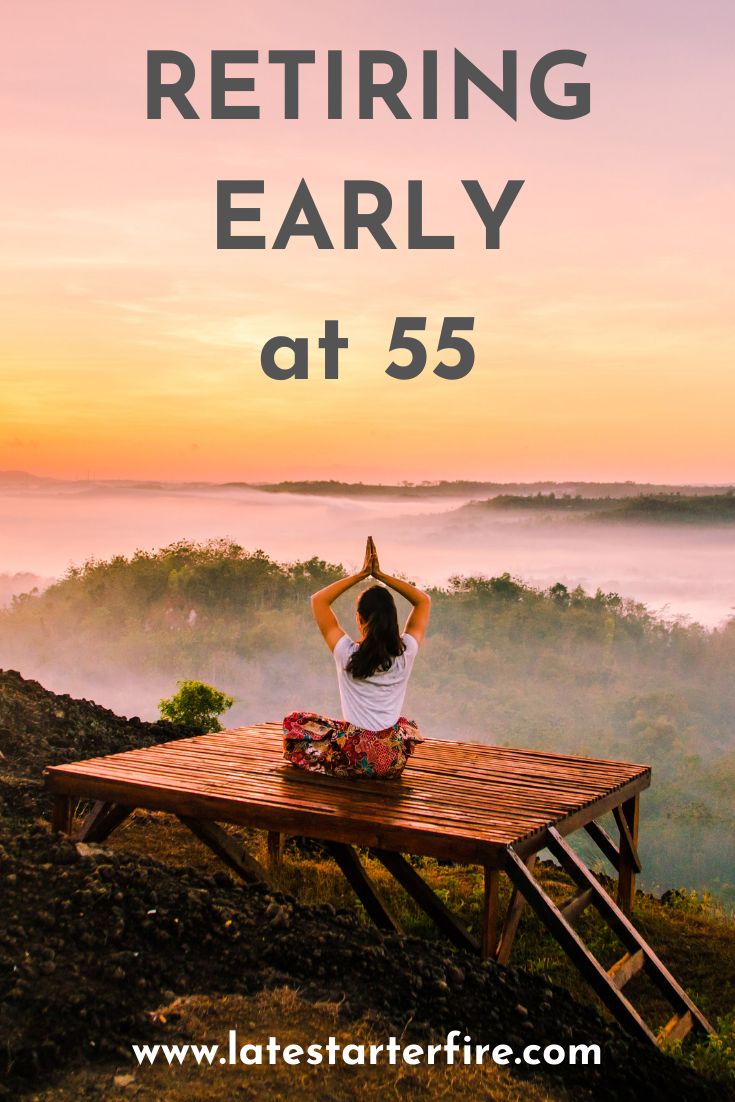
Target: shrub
{"points": [[196, 705]]}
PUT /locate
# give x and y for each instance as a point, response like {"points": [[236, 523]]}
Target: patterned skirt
{"points": [[319, 744]]}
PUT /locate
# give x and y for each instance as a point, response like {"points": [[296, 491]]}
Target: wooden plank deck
{"points": [[490, 805], [460, 800]]}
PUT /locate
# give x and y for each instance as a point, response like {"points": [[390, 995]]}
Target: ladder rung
{"points": [[677, 1027], [627, 967], [574, 906]]}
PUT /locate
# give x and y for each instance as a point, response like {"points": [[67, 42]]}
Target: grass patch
{"points": [[281, 1013]]}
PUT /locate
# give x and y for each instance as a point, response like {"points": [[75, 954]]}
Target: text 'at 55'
{"points": [[332, 344]]}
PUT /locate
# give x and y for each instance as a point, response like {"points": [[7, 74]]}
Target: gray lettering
{"points": [[492, 218], [580, 92]]}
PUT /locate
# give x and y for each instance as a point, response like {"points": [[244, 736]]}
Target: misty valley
{"points": [[548, 663]]}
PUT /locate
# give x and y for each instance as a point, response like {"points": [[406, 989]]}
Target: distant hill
{"points": [[20, 479], [675, 508], [591, 492], [670, 508], [557, 503], [519, 491]]}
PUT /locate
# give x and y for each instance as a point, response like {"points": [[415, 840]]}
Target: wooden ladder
{"points": [[639, 956]]}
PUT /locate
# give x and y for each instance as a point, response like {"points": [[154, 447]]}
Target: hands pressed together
{"points": [[321, 601], [371, 566]]}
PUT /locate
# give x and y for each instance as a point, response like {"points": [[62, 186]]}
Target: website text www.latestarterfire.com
{"points": [[457, 1048]]}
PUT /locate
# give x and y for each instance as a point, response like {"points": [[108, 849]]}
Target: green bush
{"points": [[713, 1056], [196, 705]]}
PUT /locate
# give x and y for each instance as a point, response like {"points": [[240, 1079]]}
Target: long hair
{"points": [[382, 639]]}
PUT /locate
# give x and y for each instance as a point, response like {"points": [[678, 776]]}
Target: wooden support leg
{"points": [[363, 886], [63, 815], [629, 862], [427, 900], [512, 918], [227, 849], [604, 842], [275, 849], [101, 821], [490, 914]]}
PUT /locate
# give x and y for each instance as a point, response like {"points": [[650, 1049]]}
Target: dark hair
{"points": [[382, 639]]}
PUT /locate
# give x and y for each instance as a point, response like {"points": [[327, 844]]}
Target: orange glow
{"points": [[130, 345]]}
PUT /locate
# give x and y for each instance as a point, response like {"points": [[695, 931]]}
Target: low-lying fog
{"points": [[684, 570]]}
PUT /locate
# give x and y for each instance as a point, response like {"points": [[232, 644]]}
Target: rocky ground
{"points": [[93, 939]]}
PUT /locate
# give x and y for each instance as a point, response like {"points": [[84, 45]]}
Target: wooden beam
{"points": [[62, 815], [590, 968], [602, 805], [627, 967], [276, 842], [676, 1028], [512, 918], [489, 944], [363, 886], [624, 928], [427, 899], [629, 842], [627, 820], [574, 906], [227, 848], [586, 815], [101, 821], [604, 842]]}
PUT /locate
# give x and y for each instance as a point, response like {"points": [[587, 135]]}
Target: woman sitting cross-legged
{"points": [[373, 738]]}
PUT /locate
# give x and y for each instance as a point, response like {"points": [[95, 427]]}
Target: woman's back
{"points": [[374, 703]]}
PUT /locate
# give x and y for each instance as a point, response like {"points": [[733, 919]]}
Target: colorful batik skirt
{"points": [[319, 744]]}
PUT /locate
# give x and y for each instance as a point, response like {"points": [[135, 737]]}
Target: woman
{"points": [[373, 738]]}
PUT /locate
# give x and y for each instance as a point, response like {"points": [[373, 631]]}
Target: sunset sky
{"points": [[603, 333]]}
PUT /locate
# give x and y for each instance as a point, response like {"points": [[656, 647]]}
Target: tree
{"points": [[559, 593], [196, 704]]}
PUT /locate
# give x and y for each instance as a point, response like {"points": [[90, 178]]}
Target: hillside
{"points": [[95, 940], [675, 509], [504, 662], [22, 482], [465, 488], [649, 508]]}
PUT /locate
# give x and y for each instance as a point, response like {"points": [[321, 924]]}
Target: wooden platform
{"points": [[455, 800], [487, 805]]}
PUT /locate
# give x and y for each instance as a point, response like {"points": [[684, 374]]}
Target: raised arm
{"points": [[321, 602], [418, 619]]}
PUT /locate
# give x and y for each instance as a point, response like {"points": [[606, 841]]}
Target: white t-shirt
{"points": [[373, 703]]}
